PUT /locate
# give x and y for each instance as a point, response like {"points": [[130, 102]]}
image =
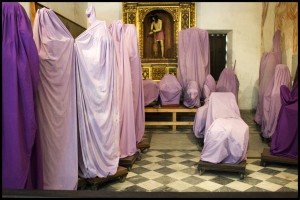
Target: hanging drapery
{"points": [[97, 102], [21, 148], [268, 63], [57, 101], [126, 113], [285, 138], [193, 57], [271, 100], [192, 96]]}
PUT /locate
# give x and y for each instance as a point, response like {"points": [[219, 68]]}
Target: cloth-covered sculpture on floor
{"points": [[285, 138], [21, 146], [271, 100], [151, 91], [169, 90], [193, 58], [97, 100], [57, 101], [200, 116], [227, 135], [268, 63], [228, 82], [126, 113]]}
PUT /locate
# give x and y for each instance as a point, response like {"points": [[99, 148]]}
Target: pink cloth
{"points": [[193, 58], [169, 90], [271, 100], [268, 63], [131, 43], [160, 35], [228, 82], [227, 135], [57, 101], [97, 102], [151, 91], [126, 113], [192, 96]]}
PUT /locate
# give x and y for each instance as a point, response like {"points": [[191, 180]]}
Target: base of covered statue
{"points": [[267, 157], [129, 160], [240, 168]]}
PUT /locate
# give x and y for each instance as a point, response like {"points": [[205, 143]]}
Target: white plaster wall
{"points": [[74, 11], [107, 11], [243, 21]]}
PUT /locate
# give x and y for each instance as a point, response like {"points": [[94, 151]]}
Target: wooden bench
{"points": [[174, 111]]}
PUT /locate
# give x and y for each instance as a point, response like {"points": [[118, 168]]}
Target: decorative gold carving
{"points": [[183, 16], [172, 70], [146, 73], [158, 72]]}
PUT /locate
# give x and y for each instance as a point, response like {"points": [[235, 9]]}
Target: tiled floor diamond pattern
{"points": [[169, 171]]}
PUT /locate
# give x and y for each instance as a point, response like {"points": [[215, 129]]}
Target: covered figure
{"points": [[21, 146], [192, 96], [151, 91], [200, 117], [271, 100], [285, 138], [169, 90], [57, 101], [227, 135], [228, 82], [97, 100], [268, 63], [193, 58]]}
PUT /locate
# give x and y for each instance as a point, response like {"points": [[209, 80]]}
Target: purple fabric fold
{"points": [[226, 134], [151, 91], [271, 100], [268, 63], [228, 82], [126, 113], [285, 138], [193, 57], [57, 101], [97, 102], [169, 90], [191, 97], [21, 146]]}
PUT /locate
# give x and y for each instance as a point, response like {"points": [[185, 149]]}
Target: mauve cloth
{"points": [[228, 82], [268, 63], [271, 100], [192, 96], [151, 91], [169, 90], [57, 101], [193, 57], [126, 113], [97, 102], [227, 135], [285, 138], [21, 146]]}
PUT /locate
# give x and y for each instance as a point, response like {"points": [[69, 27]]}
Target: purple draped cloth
{"points": [[228, 82], [192, 96], [271, 100], [200, 116], [285, 138], [57, 101], [193, 57], [21, 147], [169, 90], [151, 91], [131, 43], [97, 102], [227, 135], [126, 113], [268, 63]]}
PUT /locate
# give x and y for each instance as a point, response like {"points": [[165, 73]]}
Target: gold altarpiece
{"points": [[175, 16]]}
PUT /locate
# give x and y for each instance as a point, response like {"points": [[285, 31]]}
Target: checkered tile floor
{"points": [[176, 171]]}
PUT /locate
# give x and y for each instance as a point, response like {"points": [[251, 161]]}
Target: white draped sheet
{"points": [[97, 102], [56, 101]]}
